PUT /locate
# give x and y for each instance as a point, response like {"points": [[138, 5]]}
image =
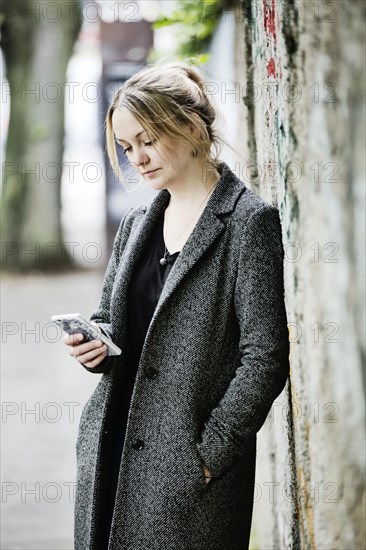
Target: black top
{"points": [[145, 287]]}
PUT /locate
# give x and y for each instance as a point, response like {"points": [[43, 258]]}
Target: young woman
{"points": [[194, 296]]}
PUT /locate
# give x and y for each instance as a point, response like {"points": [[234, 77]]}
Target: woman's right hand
{"points": [[90, 354]]}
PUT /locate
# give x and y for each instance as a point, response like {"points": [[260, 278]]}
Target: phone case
{"points": [[73, 323]]}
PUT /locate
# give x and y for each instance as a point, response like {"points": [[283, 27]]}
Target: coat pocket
{"points": [[200, 473]]}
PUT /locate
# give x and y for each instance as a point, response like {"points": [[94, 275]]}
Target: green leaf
{"points": [[196, 21]]}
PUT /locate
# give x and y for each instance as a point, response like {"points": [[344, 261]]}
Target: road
{"points": [[43, 391]]}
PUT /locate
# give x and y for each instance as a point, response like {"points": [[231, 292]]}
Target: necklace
{"points": [[164, 260]]}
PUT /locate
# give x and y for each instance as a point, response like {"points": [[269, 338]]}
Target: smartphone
{"points": [[73, 323]]}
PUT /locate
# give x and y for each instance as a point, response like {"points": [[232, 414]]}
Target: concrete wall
{"points": [[301, 70]]}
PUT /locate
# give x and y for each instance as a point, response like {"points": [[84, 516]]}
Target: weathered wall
{"points": [[302, 74]]}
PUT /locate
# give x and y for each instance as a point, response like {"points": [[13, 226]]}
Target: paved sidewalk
{"points": [[43, 391]]}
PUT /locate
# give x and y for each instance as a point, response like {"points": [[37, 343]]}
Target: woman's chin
{"points": [[157, 185]]}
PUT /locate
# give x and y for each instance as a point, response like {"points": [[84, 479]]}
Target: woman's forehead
{"points": [[125, 125]]}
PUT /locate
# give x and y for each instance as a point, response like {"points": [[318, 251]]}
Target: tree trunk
{"points": [[37, 41]]}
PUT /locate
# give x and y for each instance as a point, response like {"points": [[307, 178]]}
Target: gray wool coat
{"points": [[218, 347]]}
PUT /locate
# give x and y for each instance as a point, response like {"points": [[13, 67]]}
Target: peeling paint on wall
{"points": [[269, 18]]}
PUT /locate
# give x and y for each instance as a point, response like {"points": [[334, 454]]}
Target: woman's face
{"points": [[162, 164]]}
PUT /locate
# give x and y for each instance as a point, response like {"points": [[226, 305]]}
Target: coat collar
{"points": [[208, 228]]}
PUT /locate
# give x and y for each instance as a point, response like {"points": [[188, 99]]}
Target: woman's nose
{"points": [[140, 158]]}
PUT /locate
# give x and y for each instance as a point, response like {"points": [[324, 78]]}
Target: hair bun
{"points": [[188, 71]]}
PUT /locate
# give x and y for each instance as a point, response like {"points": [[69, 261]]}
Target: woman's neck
{"points": [[188, 194]]}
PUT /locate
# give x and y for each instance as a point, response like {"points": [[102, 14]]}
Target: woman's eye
{"points": [[146, 143]]}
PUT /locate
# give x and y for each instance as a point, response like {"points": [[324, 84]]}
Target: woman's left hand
{"points": [[208, 475]]}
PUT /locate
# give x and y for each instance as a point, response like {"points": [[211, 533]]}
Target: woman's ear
{"points": [[194, 126]]}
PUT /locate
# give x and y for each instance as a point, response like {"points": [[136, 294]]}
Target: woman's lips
{"points": [[150, 172]]}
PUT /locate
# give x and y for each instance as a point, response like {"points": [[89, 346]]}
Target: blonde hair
{"points": [[167, 100]]}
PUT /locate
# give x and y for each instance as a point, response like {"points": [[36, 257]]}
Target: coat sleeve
{"points": [[231, 428], [101, 314]]}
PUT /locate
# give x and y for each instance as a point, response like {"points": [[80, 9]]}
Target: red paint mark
{"points": [[271, 68], [270, 19]]}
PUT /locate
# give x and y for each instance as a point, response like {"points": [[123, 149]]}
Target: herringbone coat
{"points": [[218, 347]]}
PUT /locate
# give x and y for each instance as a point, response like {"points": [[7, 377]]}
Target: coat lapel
{"points": [[208, 228]]}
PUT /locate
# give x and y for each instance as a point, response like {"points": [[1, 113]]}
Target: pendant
{"points": [[163, 261]]}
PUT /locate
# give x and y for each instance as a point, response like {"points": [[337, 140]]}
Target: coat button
{"points": [[151, 373], [138, 444]]}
